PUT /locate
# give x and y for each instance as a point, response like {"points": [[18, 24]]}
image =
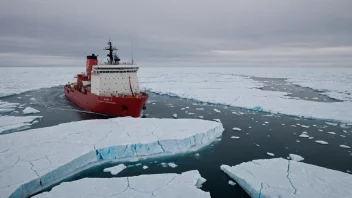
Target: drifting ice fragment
{"points": [[304, 126], [332, 133], [232, 183], [172, 165], [235, 137], [145, 167], [218, 120], [30, 110], [279, 177], [236, 129], [115, 169], [321, 142], [175, 115], [258, 108], [345, 146], [270, 154], [296, 158], [331, 123], [304, 135], [216, 110]]}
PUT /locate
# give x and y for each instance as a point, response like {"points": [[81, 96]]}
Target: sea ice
{"points": [[16, 123], [200, 117], [172, 165], [304, 135], [235, 137], [236, 129], [304, 126], [216, 110], [169, 185], [279, 177], [51, 154], [296, 158], [332, 133], [232, 183], [345, 146], [199, 109], [145, 167], [174, 115], [321, 142], [331, 123], [270, 154], [266, 122], [218, 120], [116, 169], [30, 110]]}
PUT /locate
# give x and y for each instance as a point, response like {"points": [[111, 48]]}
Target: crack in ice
{"points": [[288, 176]]}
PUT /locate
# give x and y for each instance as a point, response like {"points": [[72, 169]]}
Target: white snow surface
{"points": [[37, 158], [279, 177], [16, 123], [30, 110], [231, 86], [115, 169], [169, 185]]}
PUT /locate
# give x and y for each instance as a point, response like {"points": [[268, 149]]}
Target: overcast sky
{"points": [[178, 32]]}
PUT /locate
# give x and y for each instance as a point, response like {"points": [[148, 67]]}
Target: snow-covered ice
{"points": [[305, 126], [30, 110], [115, 169], [345, 146], [236, 129], [37, 158], [279, 177], [321, 142], [218, 120], [145, 167], [217, 87], [216, 110], [270, 154], [16, 123], [169, 185], [332, 133], [304, 135], [174, 115], [7, 107], [296, 158]]}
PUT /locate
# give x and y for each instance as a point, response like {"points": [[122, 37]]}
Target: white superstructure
{"points": [[114, 80]]}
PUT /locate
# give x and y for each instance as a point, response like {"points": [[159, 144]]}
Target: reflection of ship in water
{"points": [[111, 88]]}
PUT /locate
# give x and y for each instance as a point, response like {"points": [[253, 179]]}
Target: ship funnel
{"points": [[92, 60]]}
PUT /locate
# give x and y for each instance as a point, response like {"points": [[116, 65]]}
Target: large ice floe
{"points": [[16, 123], [231, 86], [144, 186], [7, 107], [286, 178], [37, 158]]}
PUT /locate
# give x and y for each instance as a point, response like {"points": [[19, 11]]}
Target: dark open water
{"points": [[256, 138]]}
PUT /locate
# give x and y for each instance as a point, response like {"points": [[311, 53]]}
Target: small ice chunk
{"points": [[218, 120], [216, 110], [266, 122], [304, 126], [145, 167], [172, 165], [315, 98], [270, 154], [321, 142], [332, 133], [298, 124], [30, 110], [249, 127], [298, 141], [190, 113], [32, 99], [232, 183], [343, 136], [320, 130], [182, 108], [345, 146], [200, 117], [283, 124], [296, 158], [174, 115], [304, 135], [235, 137], [19, 97], [236, 129], [115, 169], [331, 123], [199, 109]]}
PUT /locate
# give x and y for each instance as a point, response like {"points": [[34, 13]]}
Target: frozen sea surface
{"points": [[37, 158], [285, 178], [145, 186]]}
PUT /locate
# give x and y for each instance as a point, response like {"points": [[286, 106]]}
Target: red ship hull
{"points": [[115, 106]]}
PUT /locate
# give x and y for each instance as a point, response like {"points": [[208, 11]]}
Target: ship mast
{"points": [[111, 54]]}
